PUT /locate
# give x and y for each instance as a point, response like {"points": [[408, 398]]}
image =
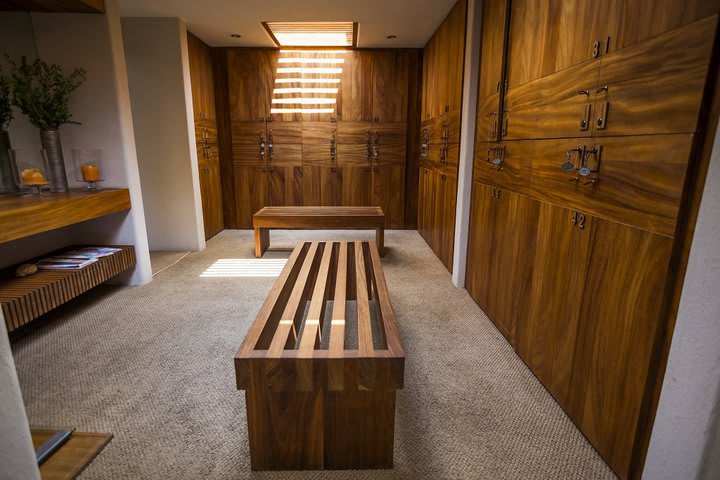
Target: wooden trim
{"points": [[22, 216], [708, 123], [270, 34]]}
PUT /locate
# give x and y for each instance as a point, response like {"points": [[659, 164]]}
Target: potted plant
{"points": [[7, 177], [42, 92]]}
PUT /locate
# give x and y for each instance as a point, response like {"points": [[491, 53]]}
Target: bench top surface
{"points": [[330, 302], [320, 212]]}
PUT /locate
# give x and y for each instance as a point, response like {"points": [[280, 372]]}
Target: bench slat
{"points": [[253, 335], [337, 327], [287, 321], [365, 341], [382, 297], [313, 324]]}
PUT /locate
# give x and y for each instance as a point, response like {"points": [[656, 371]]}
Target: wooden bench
{"points": [[317, 218], [321, 363]]}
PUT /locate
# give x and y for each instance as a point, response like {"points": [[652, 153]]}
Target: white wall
{"points": [[473, 37], [686, 425], [159, 77], [102, 104], [17, 455]]}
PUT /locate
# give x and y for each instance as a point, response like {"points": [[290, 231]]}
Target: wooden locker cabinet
{"points": [[251, 191], [205, 120]]}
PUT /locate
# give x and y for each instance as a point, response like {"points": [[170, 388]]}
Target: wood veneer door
{"points": [[547, 334], [513, 253], [356, 186], [390, 73], [492, 60], [480, 241], [211, 195], [251, 76], [620, 315], [357, 87], [322, 186], [656, 86], [284, 143], [454, 53], [425, 203], [249, 143], [285, 186], [251, 193], [447, 203], [388, 193], [201, 79]]}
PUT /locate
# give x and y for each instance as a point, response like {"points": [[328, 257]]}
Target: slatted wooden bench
{"points": [[317, 218], [321, 363]]}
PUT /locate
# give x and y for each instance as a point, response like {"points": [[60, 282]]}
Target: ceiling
{"points": [[412, 21]]}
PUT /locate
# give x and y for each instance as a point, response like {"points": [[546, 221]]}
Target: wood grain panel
{"points": [[202, 80], [617, 335], [251, 73], [532, 45], [356, 186], [356, 82], [448, 197], [487, 123], [656, 86], [388, 193], [285, 186], [316, 141], [286, 139], [389, 83], [547, 335], [552, 107], [492, 52], [222, 109], [246, 143], [480, 241], [251, 188], [639, 183], [211, 197], [322, 186], [513, 251], [483, 170], [22, 216], [640, 20]]}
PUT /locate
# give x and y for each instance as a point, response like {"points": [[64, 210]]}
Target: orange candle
{"points": [[90, 173]]}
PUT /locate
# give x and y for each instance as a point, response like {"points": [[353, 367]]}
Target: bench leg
{"points": [[380, 240], [262, 241]]}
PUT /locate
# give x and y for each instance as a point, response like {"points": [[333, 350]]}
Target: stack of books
{"points": [[75, 259]]}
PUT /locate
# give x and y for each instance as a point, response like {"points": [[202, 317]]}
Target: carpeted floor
{"points": [[160, 260], [153, 365]]}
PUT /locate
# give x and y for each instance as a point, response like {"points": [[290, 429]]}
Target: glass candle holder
{"points": [[88, 166], [31, 168]]}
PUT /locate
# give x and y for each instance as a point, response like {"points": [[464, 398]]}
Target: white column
{"points": [[17, 455], [471, 74], [685, 432]]}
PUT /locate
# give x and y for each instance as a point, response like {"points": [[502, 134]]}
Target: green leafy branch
{"points": [[42, 92], [6, 114]]}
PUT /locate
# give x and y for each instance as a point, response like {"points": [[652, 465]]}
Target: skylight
{"points": [[312, 34]]}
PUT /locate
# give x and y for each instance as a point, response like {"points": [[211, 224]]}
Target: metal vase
{"points": [[56, 163], [8, 183]]}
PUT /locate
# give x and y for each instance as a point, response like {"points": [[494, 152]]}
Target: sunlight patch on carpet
{"points": [[245, 267]]}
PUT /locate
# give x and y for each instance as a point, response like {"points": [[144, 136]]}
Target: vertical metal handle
{"points": [[270, 144], [262, 146]]}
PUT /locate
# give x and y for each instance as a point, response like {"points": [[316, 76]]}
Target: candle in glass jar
{"points": [[90, 173]]}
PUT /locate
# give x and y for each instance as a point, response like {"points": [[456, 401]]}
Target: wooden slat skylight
{"points": [[312, 34]]}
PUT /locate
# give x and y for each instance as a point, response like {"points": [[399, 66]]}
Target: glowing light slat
{"points": [[316, 70], [306, 101], [307, 80], [280, 91], [311, 60], [302, 110]]}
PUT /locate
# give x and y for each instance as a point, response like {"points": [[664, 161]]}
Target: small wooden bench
{"points": [[321, 363], [317, 218]]}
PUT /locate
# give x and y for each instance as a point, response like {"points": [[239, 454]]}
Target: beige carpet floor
{"points": [[153, 365], [160, 260]]}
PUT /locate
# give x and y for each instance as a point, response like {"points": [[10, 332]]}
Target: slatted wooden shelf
{"points": [[24, 299], [22, 216], [324, 355]]}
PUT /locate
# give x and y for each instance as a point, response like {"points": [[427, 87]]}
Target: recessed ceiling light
{"points": [[391, 37], [312, 34], [235, 35]]}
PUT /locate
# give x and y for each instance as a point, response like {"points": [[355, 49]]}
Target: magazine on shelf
{"points": [[75, 259]]}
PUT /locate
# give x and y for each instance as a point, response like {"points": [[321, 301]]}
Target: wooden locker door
{"points": [[454, 52], [211, 193], [284, 143], [656, 86], [356, 186], [251, 76], [448, 195], [354, 143], [249, 143], [480, 241], [513, 251], [546, 336], [251, 193], [620, 314], [356, 99], [494, 33], [285, 186], [388, 193], [390, 73], [322, 186]]}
